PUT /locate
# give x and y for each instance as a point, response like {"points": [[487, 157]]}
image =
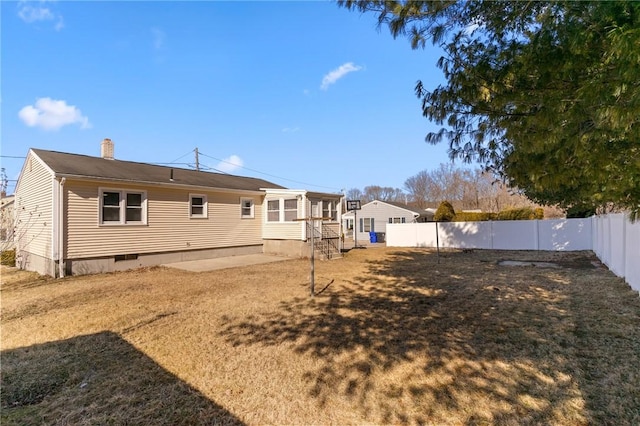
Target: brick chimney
{"points": [[106, 149]]}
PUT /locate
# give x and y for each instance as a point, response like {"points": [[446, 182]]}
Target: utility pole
{"points": [[313, 249], [197, 160]]}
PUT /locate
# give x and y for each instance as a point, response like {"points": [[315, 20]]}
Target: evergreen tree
{"points": [[444, 213], [545, 94]]}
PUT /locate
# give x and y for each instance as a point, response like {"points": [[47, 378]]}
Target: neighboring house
{"points": [[374, 216], [429, 214], [6, 221], [79, 214]]}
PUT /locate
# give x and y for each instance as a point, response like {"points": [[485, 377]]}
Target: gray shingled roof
{"points": [[406, 207], [64, 164]]}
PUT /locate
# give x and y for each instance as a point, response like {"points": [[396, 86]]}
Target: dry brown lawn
{"points": [[393, 337]]}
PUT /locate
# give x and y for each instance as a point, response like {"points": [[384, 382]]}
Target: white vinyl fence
{"points": [[614, 239]]}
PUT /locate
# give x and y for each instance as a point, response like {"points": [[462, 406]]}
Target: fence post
{"points": [[624, 245], [491, 232]]}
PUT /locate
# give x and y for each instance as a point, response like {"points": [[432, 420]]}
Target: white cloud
{"points": [[338, 73], [60, 24], [32, 11], [159, 37], [230, 164], [51, 114], [290, 129]]}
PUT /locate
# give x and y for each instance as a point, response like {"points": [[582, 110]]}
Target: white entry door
{"points": [[316, 212]]}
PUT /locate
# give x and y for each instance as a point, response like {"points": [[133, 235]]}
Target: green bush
{"points": [[580, 211], [8, 257], [524, 213], [445, 212], [474, 217]]}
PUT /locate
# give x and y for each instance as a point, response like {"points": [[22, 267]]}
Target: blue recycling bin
{"points": [[373, 238]]}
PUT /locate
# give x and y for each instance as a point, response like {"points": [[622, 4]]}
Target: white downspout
{"points": [[61, 228], [303, 200]]}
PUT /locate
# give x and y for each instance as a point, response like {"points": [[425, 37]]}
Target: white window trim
{"points": [[251, 215], [281, 210], [326, 207], [280, 206], [122, 207], [331, 207], [284, 210], [364, 227], [205, 206]]}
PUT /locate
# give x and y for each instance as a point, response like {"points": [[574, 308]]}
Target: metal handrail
{"points": [[326, 242]]}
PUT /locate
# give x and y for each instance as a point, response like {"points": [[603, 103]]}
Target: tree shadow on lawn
{"points": [[461, 342], [98, 379]]}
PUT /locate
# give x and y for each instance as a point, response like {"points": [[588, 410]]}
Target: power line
{"points": [[267, 174], [179, 158], [173, 162], [12, 156], [212, 168]]}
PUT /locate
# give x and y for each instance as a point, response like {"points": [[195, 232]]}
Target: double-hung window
{"points": [[273, 211], [326, 209], [366, 224], [247, 208], [123, 207], [290, 210], [133, 212], [282, 210], [111, 207], [197, 206], [329, 210]]}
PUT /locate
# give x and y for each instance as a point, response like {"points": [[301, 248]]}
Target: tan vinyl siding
{"points": [[284, 230], [168, 228], [34, 209]]}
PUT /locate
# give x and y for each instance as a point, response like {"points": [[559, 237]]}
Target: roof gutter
{"points": [[162, 184]]}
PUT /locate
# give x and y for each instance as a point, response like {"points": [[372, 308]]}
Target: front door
{"points": [[316, 211]]}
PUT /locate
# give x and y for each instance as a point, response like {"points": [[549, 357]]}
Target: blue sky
{"points": [[304, 94]]}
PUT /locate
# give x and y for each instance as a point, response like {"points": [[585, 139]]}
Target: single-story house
{"points": [[429, 214], [374, 216], [78, 214]]}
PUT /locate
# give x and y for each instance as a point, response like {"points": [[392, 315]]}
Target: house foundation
{"points": [[288, 248], [133, 261]]}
